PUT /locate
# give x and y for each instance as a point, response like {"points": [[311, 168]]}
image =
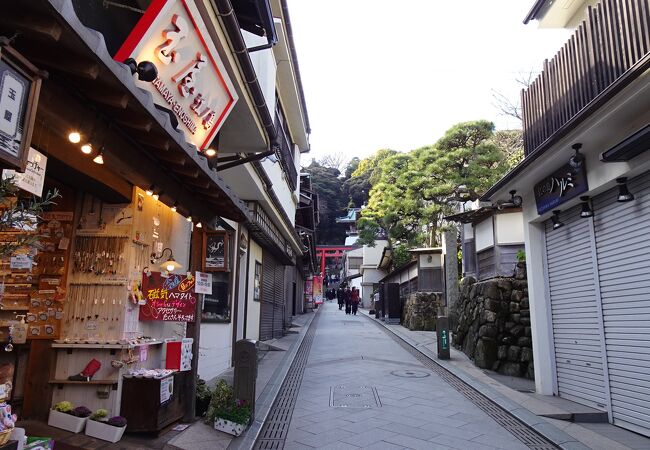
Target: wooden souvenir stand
{"points": [[112, 246]]}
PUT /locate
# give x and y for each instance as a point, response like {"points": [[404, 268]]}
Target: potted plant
{"points": [[227, 413], [203, 397], [110, 430], [65, 416]]}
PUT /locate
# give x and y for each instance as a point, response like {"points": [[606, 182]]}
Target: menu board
{"points": [[168, 299]]}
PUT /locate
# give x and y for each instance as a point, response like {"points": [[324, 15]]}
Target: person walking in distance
{"points": [[348, 300], [340, 296], [355, 300]]}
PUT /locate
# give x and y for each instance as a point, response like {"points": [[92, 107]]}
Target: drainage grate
{"points": [[276, 426], [517, 428]]}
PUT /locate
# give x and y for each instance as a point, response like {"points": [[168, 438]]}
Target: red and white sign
{"points": [[192, 80]]}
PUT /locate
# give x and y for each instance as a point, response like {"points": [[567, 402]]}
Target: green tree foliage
{"points": [[332, 204], [412, 192]]}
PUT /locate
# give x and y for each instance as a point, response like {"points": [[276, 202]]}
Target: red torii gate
{"points": [[324, 251]]}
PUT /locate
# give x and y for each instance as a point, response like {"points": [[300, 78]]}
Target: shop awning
{"points": [[51, 36]]}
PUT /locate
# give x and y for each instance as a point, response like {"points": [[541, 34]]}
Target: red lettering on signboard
{"points": [[169, 298]]}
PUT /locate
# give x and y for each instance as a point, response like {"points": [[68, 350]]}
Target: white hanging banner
{"points": [[192, 81], [203, 283]]}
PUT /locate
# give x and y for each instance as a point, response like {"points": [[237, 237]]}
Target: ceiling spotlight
{"points": [[87, 149], [210, 152], [99, 159], [149, 191], [156, 196], [174, 207], [556, 219], [624, 195], [577, 160], [586, 210], [74, 137], [516, 200], [199, 225], [189, 218]]}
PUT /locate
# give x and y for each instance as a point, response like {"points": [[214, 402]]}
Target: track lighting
{"points": [[87, 148], [99, 159], [556, 219], [586, 210], [149, 191], [74, 137], [578, 159], [624, 195]]}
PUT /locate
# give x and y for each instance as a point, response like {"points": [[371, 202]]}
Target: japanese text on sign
{"points": [[170, 299]]}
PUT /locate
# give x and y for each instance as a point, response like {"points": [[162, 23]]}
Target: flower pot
{"points": [[104, 431], [229, 427], [66, 421]]}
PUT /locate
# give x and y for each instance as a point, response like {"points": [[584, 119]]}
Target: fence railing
{"points": [[612, 40], [286, 153]]}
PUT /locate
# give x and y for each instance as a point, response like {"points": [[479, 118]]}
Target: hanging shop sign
{"points": [[33, 178], [215, 251], [20, 84], [192, 81], [168, 299], [559, 187]]}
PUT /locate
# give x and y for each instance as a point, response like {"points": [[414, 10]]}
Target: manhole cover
{"points": [[354, 397], [410, 373]]}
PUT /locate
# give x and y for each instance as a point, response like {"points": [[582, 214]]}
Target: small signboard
{"points": [[203, 283], [559, 187], [166, 389], [19, 89], [168, 299], [34, 177]]}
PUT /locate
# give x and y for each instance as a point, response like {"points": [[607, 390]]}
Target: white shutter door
{"points": [[623, 249], [574, 308]]}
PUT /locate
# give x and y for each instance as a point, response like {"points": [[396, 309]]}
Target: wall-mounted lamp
{"points": [[516, 200], [189, 218], [578, 159], [556, 219], [586, 210], [146, 70], [170, 264], [199, 225], [624, 195]]}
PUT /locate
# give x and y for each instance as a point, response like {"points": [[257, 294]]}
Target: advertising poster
{"points": [[318, 290], [170, 299]]}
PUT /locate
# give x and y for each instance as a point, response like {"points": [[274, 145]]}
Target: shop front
{"points": [[103, 289]]}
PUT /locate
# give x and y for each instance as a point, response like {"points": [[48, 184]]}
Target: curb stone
{"points": [[549, 431]]}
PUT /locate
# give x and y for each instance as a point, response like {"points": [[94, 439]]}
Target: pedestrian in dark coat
{"points": [[340, 296], [348, 300], [355, 300]]}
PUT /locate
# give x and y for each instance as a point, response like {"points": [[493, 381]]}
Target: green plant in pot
{"points": [[227, 413]]}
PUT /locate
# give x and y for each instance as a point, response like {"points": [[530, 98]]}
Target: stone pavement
{"points": [[386, 398]]}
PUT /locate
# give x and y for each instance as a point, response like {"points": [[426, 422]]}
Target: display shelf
{"points": [[104, 346], [90, 383]]}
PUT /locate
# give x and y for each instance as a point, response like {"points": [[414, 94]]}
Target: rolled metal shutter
{"points": [[575, 311], [268, 297], [623, 249], [279, 303]]}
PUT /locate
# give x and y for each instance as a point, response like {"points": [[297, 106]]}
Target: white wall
{"points": [[265, 67], [484, 234], [215, 348], [510, 228], [468, 231], [281, 188], [372, 255], [253, 314]]}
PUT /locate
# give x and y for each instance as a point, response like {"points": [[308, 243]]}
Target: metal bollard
{"points": [[246, 372], [442, 330]]}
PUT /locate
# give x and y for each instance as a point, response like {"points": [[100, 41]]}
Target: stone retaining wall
{"points": [[421, 310], [493, 324]]}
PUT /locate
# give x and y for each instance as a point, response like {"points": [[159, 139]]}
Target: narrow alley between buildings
{"points": [[362, 389]]}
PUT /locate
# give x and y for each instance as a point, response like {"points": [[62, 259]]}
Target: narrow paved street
{"points": [[361, 389]]}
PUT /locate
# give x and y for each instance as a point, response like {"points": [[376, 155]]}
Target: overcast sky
{"points": [[397, 74]]}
